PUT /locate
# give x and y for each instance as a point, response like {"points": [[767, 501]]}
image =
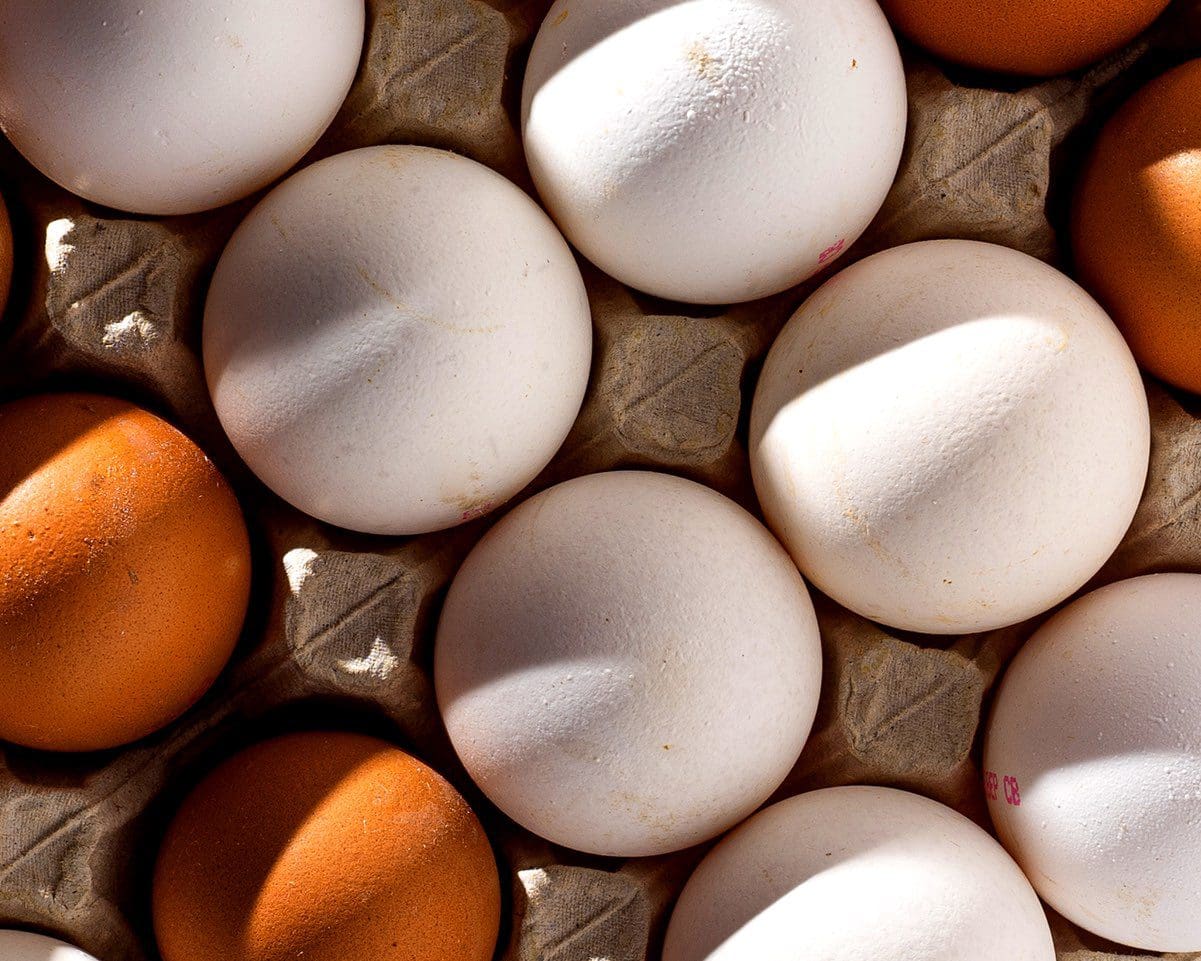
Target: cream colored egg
{"points": [[858, 874], [950, 437], [713, 151], [163, 108], [628, 664], [25, 946], [397, 340], [1093, 762]]}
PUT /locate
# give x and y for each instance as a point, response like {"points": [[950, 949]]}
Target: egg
{"points": [[131, 104], [397, 340], [327, 847], [25, 946], [713, 151], [628, 664], [858, 874], [1137, 220], [126, 572], [1093, 762], [1032, 37], [6, 255], [949, 437]]}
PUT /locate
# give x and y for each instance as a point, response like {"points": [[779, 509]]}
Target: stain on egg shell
{"points": [[125, 572], [1136, 226], [327, 847], [1028, 37]]}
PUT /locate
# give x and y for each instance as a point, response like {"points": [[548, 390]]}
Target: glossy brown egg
{"points": [[325, 847], [1030, 37], [1136, 227], [124, 572]]}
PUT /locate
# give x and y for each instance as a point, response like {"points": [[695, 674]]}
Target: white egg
{"points": [[713, 151], [397, 339], [25, 946], [1093, 762], [628, 664], [858, 874], [163, 108], [950, 437]]}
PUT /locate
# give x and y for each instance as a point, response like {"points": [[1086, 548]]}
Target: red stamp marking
{"points": [[830, 251], [995, 786]]}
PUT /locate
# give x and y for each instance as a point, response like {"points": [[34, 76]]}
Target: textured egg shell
{"points": [[713, 151], [126, 572], [6, 256], [144, 107], [949, 436], [325, 847], [25, 946], [858, 874], [1095, 740], [628, 664], [397, 340], [1033, 37], [1137, 224]]}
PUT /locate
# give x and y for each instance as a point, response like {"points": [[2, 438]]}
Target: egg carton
{"points": [[340, 629]]}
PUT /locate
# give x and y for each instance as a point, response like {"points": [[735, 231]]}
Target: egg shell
{"points": [[949, 437], [1031, 37], [397, 340], [858, 874], [628, 664], [141, 107], [326, 846], [26, 946], [1095, 744], [1136, 226], [713, 151], [126, 572], [6, 256]]}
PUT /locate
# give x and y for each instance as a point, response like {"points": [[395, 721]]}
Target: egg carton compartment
{"points": [[340, 629]]}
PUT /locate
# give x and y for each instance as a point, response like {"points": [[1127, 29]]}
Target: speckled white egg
{"points": [[163, 108], [950, 437], [628, 664], [713, 151], [397, 339], [1093, 762], [26, 946], [858, 874]]}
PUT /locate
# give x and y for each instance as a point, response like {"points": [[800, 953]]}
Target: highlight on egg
{"points": [[949, 437], [325, 846], [1135, 223], [126, 572], [27, 946], [135, 106], [397, 340], [1032, 37], [628, 664], [713, 151], [1093, 762], [858, 874]]}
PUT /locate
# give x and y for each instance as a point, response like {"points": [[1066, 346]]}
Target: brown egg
{"points": [[1032, 37], [326, 847], [6, 255], [1136, 225], [125, 572]]}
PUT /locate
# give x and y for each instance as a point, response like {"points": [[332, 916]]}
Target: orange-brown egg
{"points": [[124, 572], [325, 847], [6, 255], [1136, 225], [1031, 37]]}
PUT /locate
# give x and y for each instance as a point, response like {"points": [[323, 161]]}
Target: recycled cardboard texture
{"points": [[341, 625]]}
